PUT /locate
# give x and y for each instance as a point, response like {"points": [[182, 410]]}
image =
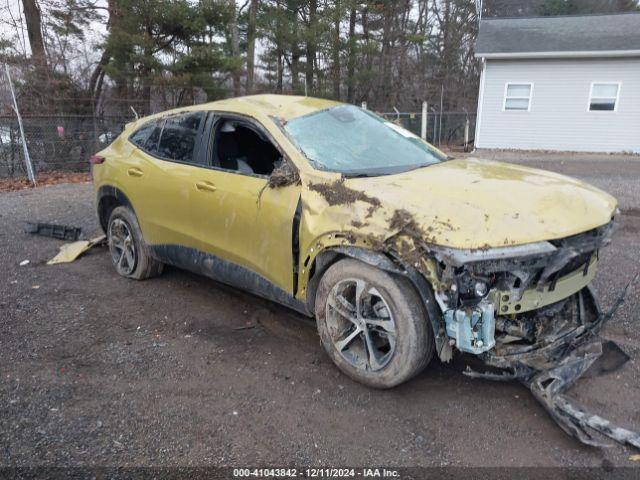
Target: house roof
{"points": [[562, 36]]}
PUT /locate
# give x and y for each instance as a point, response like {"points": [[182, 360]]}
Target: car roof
{"points": [[284, 107]]}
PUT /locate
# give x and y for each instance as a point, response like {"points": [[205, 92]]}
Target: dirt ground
{"points": [[42, 179], [180, 370]]}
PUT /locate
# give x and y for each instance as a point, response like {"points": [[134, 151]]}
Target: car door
{"points": [[240, 219], [161, 174]]}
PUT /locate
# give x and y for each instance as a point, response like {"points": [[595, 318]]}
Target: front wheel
{"points": [[372, 324]]}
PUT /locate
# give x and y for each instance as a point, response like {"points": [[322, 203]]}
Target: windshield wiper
{"points": [[362, 175], [386, 171]]}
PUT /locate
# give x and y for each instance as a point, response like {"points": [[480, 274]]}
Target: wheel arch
{"points": [[108, 198], [327, 257]]}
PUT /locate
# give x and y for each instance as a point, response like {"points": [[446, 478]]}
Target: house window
{"points": [[604, 97], [517, 96]]}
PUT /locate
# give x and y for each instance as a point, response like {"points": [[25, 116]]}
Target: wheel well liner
{"points": [[108, 198]]}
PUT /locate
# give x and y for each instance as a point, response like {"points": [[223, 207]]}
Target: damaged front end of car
{"points": [[529, 313]]}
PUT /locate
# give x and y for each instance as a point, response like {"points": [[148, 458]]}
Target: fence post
{"points": [[423, 129], [96, 142], [441, 111], [27, 158], [466, 135], [364, 105]]}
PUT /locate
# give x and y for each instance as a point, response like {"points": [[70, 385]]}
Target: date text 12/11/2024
{"points": [[315, 473]]}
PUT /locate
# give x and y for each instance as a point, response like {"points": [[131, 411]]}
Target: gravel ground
{"points": [[99, 370]]}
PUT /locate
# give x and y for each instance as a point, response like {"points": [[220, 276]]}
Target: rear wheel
{"points": [[372, 324], [129, 254]]}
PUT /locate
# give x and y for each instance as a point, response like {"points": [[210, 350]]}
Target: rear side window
{"points": [[179, 135], [147, 136]]}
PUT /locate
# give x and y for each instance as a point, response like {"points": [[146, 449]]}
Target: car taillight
{"points": [[96, 159]]}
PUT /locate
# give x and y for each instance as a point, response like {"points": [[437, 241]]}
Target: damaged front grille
{"points": [[530, 336], [513, 276], [519, 279], [570, 249], [510, 289], [546, 324]]}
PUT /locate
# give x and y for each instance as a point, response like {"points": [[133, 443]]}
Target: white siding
{"points": [[559, 118]]}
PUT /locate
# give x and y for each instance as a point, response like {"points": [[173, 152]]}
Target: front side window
{"points": [[604, 97], [352, 141], [241, 147], [517, 96], [178, 137]]}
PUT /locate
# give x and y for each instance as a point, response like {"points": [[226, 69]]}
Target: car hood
{"points": [[473, 203]]}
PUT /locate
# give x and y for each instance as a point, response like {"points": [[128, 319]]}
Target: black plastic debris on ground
{"points": [[61, 232]]}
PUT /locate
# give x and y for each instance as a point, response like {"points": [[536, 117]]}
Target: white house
{"points": [[567, 83]]}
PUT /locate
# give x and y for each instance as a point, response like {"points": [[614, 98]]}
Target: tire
{"points": [[397, 327], [124, 234]]}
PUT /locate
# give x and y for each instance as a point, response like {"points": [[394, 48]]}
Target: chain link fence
{"points": [[65, 142], [444, 130], [61, 143]]}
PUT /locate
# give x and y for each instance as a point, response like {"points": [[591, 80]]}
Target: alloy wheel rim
{"points": [[361, 325], [122, 247]]}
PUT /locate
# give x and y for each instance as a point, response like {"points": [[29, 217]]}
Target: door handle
{"points": [[206, 186], [134, 172]]}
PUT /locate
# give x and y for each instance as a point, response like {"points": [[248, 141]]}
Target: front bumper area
{"points": [[555, 360], [528, 312], [475, 329]]}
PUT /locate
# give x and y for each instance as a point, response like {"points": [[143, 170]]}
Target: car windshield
{"points": [[352, 141]]}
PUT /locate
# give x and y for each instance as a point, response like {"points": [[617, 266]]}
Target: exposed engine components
{"points": [[472, 329]]}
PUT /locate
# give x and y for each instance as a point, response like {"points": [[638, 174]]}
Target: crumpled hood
{"points": [[475, 203]]}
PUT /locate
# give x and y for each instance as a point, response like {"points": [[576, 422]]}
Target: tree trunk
{"points": [[446, 55], [369, 56], [95, 82], [235, 47], [33, 20], [295, 66], [279, 67], [384, 89], [311, 45], [251, 44], [146, 76], [351, 63], [335, 53]]}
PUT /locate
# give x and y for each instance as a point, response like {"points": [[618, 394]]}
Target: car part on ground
{"points": [[61, 232], [71, 251], [129, 252]]}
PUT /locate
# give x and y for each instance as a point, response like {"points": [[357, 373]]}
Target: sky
{"points": [[12, 22]]}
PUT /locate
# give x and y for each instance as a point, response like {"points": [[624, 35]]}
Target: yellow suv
{"points": [[397, 250]]}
